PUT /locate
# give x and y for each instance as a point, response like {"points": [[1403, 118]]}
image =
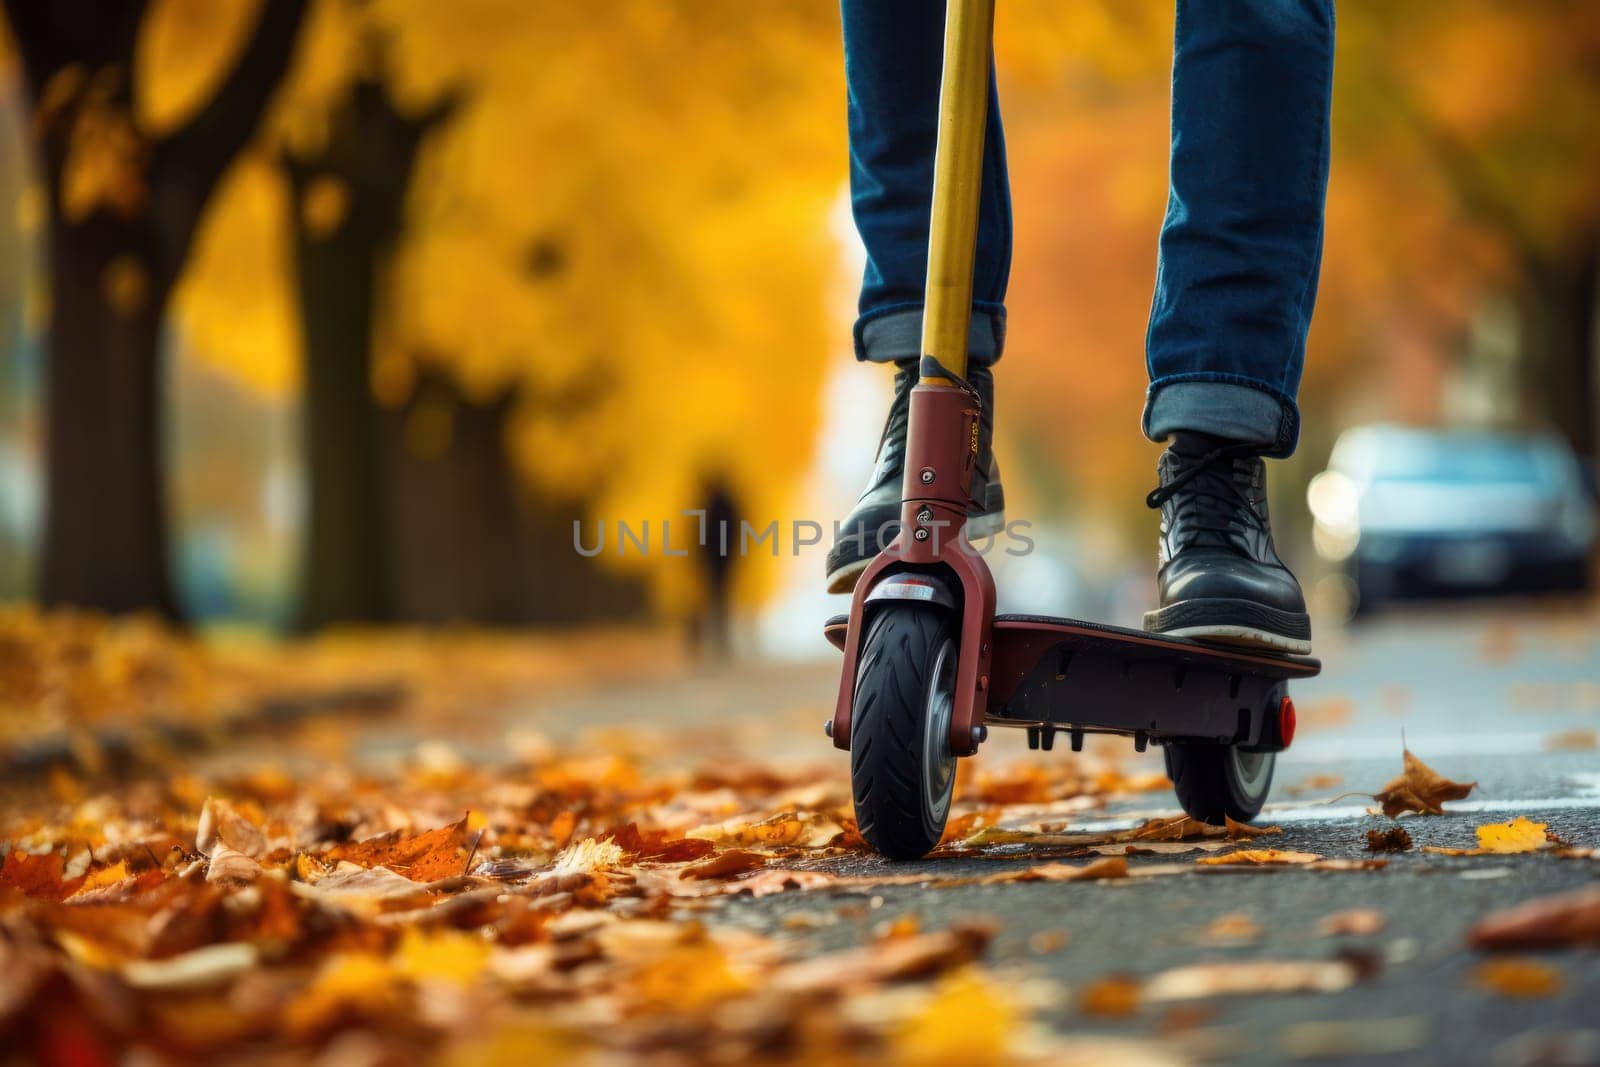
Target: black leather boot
{"points": [[875, 520], [1220, 578]]}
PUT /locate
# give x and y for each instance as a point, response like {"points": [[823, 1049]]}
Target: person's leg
{"points": [[894, 52], [1240, 251], [893, 60]]}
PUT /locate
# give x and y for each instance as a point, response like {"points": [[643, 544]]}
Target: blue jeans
{"points": [[1241, 244]]}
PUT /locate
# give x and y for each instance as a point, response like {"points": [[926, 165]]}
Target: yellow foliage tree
{"points": [[623, 225]]}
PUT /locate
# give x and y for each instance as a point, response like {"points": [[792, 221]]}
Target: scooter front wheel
{"points": [[902, 773]]}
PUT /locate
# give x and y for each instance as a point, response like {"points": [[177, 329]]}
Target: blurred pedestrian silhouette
{"points": [[718, 556]]}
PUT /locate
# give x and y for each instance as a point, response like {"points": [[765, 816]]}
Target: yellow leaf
{"points": [[798, 829], [105, 876], [515, 1044], [184, 50], [688, 977], [446, 956], [307, 868], [966, 1021], [85, 951], [349, 980], [1518, 835]]}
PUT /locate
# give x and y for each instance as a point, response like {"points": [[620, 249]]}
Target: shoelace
{"points": [[905, 378], [907, 374], [932, 368], [1216, 501]]}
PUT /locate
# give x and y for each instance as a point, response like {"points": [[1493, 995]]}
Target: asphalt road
{"points": [[1497, 696], [1505, 695]]}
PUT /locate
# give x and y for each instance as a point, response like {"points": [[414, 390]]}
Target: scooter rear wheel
{"points": [[902, 773], [1216, 782]]}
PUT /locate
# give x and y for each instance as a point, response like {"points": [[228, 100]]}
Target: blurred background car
{"points": [[1410, 512]]}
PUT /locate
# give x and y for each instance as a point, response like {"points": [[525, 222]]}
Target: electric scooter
{"points": [[928, 665]]}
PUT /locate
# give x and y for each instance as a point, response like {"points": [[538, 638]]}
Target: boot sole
{"points": [[842, 579], [1234, 622]]}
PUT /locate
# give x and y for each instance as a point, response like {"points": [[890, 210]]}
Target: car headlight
{"points": [[1335, 504], [1334, 500]]}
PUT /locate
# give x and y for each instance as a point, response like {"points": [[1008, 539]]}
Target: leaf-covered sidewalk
{"points": [[558, 903]]}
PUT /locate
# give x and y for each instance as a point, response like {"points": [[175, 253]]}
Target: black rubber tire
{"points": [[1215, 782], [901, 806]]}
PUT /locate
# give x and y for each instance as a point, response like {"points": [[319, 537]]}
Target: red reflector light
{"points": [[1286, 721]]}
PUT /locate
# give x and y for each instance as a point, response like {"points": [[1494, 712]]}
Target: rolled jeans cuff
{"points": [[895, 334], [1236, 411]]}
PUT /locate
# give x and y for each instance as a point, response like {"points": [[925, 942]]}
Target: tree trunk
{"points": [[468, 543], [1561, 318], [454, 520], [114, 261], [105, 540], [415, 513], [344, 570], [348, 203]]}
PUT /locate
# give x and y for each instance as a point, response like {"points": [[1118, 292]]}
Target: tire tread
{"points": [[886, 731], [1203, 778]]}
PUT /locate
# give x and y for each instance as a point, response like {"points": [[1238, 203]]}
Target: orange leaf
{"points": [[727, 864], [1109, 867], [1234, 928], [1115, 996], [657, 844], [1355, 922], [38, 876], [425, 857], [561, 828], [1259, 857], [1563, 919], [1518, 978]]}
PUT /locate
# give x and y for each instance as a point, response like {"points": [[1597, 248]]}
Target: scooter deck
{"points": [[1080, 677]]}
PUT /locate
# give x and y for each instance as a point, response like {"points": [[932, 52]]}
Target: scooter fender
{"points": [[933, 582], [918, 587]]}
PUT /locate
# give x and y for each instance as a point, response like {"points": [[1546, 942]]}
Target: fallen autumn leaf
{"points": [[1202, 980], [1259, 857], [1518, 978], [1518, 835], [1545, 922], [1420, 789]]}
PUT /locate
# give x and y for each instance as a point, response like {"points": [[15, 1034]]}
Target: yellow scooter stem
{"points": [[957, 180]]}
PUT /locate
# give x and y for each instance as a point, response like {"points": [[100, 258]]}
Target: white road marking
{"points": [[1587, 797], [1429, 746], [1332, 813]]}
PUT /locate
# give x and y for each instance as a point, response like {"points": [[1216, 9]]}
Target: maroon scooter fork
{"points": [[941, 453]]}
